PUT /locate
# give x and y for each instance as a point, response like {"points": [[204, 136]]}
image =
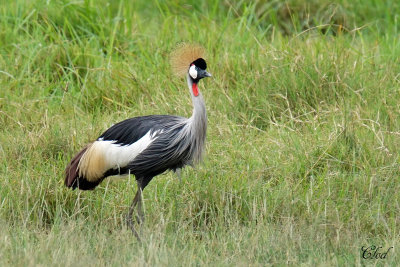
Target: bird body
{"points": [[142, 146], [149, 145]]}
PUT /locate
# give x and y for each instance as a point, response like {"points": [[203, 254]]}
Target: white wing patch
{"points": [[117, 156], [106, 154], [103, 155]]}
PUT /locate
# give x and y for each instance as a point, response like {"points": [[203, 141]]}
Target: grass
{"points": [[301, 164]]}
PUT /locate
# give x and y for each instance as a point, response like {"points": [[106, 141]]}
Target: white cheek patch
{"points": [[193, 72]]}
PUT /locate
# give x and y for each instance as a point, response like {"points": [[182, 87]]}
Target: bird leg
{"points": [[140, 213], [129, 220], [136, 201], [178, 172]]}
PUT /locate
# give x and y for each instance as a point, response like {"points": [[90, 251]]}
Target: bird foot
{"points": [[131, 226], [140, 219]]}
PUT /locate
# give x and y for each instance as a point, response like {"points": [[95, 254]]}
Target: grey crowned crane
{"points": [[150, 145]]}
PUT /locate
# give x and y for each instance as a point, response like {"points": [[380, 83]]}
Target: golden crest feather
{"points": [[183, 55]]}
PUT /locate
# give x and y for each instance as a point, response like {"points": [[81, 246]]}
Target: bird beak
{"points": [[202, 74]]}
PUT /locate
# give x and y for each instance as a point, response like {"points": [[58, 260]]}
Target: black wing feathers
{"points": [[131, 130], [160, 156]]}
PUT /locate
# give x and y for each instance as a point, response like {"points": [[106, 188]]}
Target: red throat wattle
{"points": [[195, 89]]}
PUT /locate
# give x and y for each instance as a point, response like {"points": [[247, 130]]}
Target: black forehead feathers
{"points": [[200, 63]]}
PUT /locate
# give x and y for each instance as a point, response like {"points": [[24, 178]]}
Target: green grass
{"points": [[302, 164]]}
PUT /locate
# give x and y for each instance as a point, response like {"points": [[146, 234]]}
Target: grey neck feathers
{"points": [[190, 140], [197, 124]]}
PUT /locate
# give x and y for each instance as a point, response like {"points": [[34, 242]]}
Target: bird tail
{"points": [[72, 177]]}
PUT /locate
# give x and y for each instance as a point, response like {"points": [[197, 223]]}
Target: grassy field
{"points": [[302, 164]]}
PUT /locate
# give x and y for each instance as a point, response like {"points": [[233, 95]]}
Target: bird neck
{"points": [[199, 108], [198, 121]]}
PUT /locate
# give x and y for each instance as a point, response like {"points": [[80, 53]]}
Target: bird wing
{"points": [[171, 150], [131, 130], [124, 141], [118, 146]]}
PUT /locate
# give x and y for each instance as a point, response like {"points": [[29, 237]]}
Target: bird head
{"points": [[197, 70], [189, 59]]}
